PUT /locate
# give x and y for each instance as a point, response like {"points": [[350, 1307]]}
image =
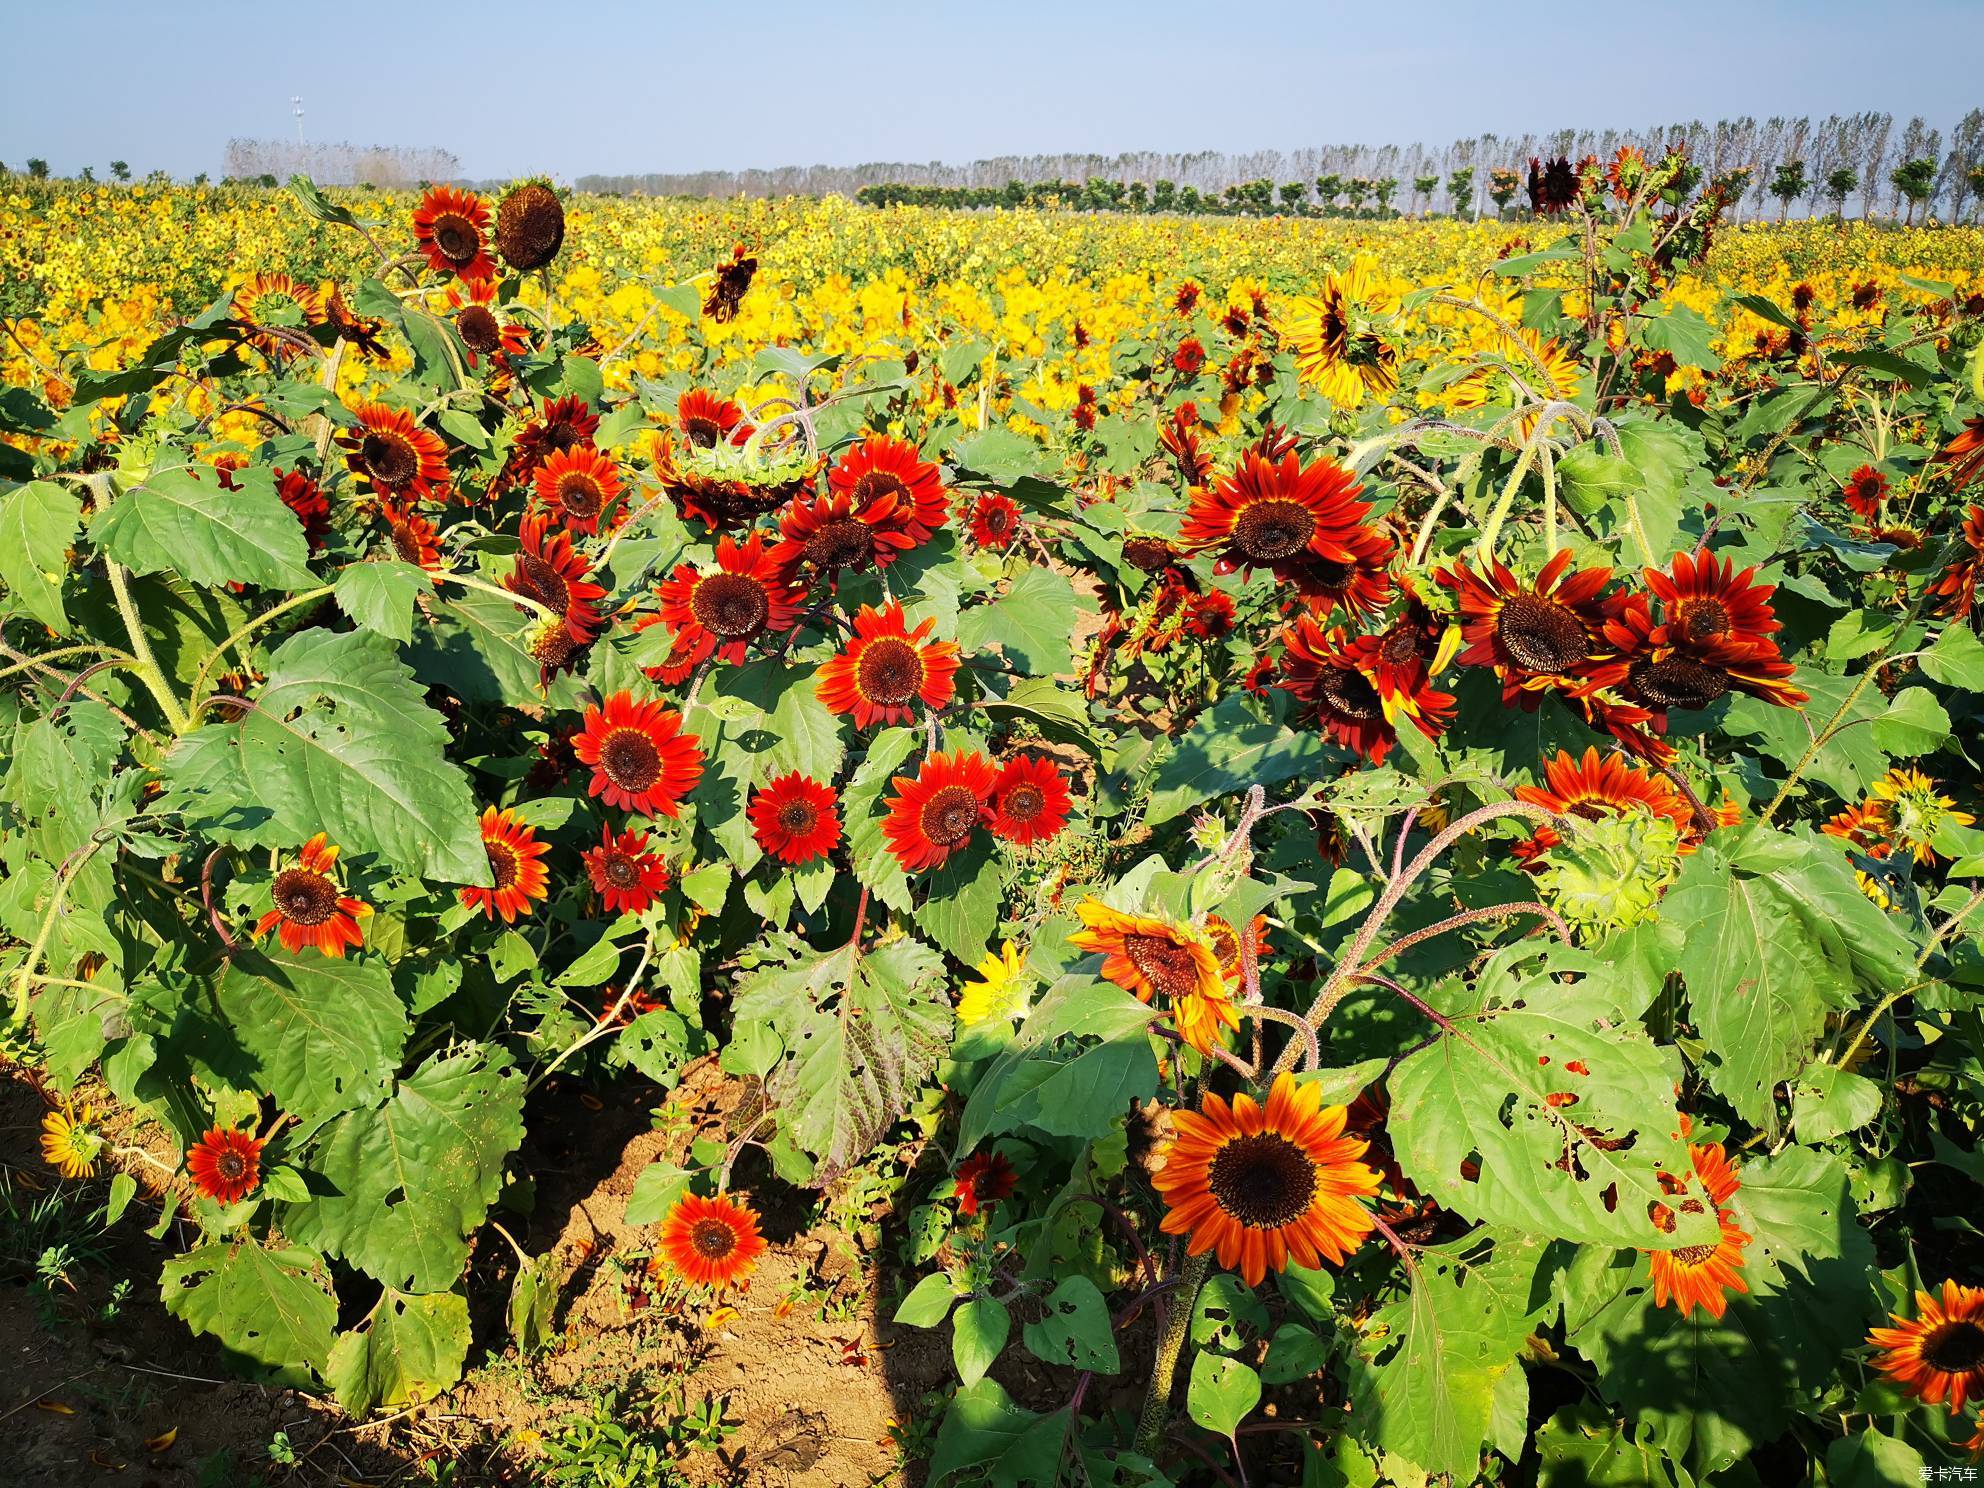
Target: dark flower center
{"points": [[1225, 941], [1703, 618], [1678, 682], [504, 862], [950, 815], [1955, 1348], [479, 329], [530, 226], [703, 433], [538, 580], [841, 543], [1165, 963], [406, 543], [1348, 693], [1399, 645], [998, 521], [874, 485], [1542, 635], [560, 434], [733, 606], [1146, 553], [797, 817], [1023, 802], [890, 672], [1269, 531], [630, 759], [457, 238], [712, 1239], [389, 459], [579, 495], [1263, 1181], [1693, 1255], [552, 646], [305, 898], [231, 1165], [1327, 576], [621, 871]]}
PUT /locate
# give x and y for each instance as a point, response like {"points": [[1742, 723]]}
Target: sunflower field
{"points": [[1345, 851]]}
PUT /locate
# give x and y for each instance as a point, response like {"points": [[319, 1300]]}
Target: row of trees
{"points": [[1457, 178]]}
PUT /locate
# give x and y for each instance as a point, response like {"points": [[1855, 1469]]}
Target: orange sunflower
{"points": [[225, 1165], [1274, 514], [1356, 689], [641, 760], [483, 332], [720, 611], [885, 669], [1965, 454], [1260, 1186], [561, 424], [306, 498], [396, 456], [711, 1242], [627, 872], [1225, 942], [982, 1180], [1957, 584], [578, 486], [1709, 610], [279, 301], [1549, 635], [1592, 788], [1661, 676], [935, 812], [1360, 588], [550, 572], [1030, 803], [1704, 1275], [1938, 1355], [1146, 956], [451, 226], [819, 537], [514, 853], [310, 909]]}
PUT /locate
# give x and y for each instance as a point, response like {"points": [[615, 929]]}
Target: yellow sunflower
{"points": [[1337, 344], [70, 1141], [1914, 811], [1001, 990]]}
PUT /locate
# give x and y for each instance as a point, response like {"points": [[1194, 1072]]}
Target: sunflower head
{"points": [[70, 1140], [1609, 874], [1000, 993], [530, 225]]}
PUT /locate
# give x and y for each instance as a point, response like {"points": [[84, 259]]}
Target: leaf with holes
{"points": [[1073, 1328], [411, 1350], [273, 1306], [326, 1034], [182, 521]]}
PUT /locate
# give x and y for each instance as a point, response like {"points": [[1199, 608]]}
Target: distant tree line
{"points": [[1860, 161], [388, 167]]}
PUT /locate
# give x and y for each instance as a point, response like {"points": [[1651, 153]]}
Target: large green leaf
{"points": [[411, 1350], [1583, 1447], [380, 596], [413, 1178], [1425, 1372], [273, 1306], [762, 720], [326, 1034], [857, 1030], [1776, 939], [1033, 623], [1550, 1111], [1227, 750], [181, 520], [961, 901], [1082, 1056], [38, 525], [984, 1433], [342, 741], [474, 646], [863, 812]]}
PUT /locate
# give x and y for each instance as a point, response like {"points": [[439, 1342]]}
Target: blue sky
{"points": [[597, 85]]}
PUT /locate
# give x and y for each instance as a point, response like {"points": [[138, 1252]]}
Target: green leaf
{"points": [[1831, 1102], [123, 1189], [1033, 623], [533, 1303], [326, 1034], [772, 723], [341, 741], [1294, 1353], [182, 522], [657, 1188], [858, 1032], [1222, 1392], [1583, 1447], [928, 1303], [1956, 660], [379, 596], [978, 1332], [273, 1306], [999, 452], [1227, 750], [413, 1178], [1227, 1315], [1681, 331], [411, 1350], [985, 1434], [960, 909], [1912, 724], [38, 525], [1074, 1328], [1850, 761], [1868, 1459], [862, 815], [1561, 1111], [1768, 954], [473, 644], [1080, 1058]]}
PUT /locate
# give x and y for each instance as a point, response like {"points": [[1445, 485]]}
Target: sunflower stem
{"points": [[141, 649], [1170, 1344]]}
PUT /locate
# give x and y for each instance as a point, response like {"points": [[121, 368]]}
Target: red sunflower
{"points": [[1270, 514], [396, 456], [1957, 584], [1030, 801], [514, 863], [452, 229], [310, 908], [483, 332], [626, 870], [641, 760], [413, 537], [1361, 588], [1709, 610], [995, 521], [1661, 677], [225, 1165], [720, 611], [578, 486], [935, 813], [795, 818], [1965, 454], [1549, 635], [561, 424], [550, 572], [1354, 692], [1209, 616], [1189, 357], [306, 498], [885, 669], [1864, 492], [983, 1179], [1704, 1275], [281, 302], [707, 420], [711, 1242], [1591, 788]]}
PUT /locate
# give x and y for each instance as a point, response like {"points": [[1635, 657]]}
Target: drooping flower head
{"points": [[515, 865], [937, 811], [550, 572], [983, 1179], [1592, 787], [1273, 514], [886, 668], [1149, 956], [1913, 811], [1965, 454], [1937, 1355], [310, 908], [720, 611], [1030, 802], [225, 1164], [1957, 584], [641, 760], [307, 500], [1000, 991], [627, 872], [1261, 1186], [711, 1242], [795, 818], [397, 457], [733, 279], [451, 227], [530, 225], [578, 487]]}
